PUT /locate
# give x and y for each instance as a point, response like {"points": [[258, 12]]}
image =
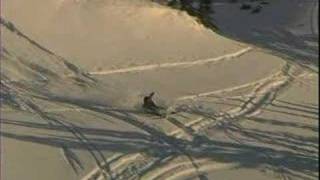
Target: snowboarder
{"points": [[148, 103], [150, 106]]}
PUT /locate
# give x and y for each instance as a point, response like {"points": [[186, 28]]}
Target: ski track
{"points": [[97, 169], [196, 127], [169, 171], [206, 167], [272, 84], [30, 106], [262, 94], [206, 94], [182, 98], [118, 164], [176, 64], [263, 88], [196, 96]]}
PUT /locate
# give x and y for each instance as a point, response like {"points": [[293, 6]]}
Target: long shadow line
{"points": [[285, 141], [295, 109], [247, 155], [292, 114], [280, 123], [176, 144], [72, 143], [69, 127], [313, 107], [88, 131]]}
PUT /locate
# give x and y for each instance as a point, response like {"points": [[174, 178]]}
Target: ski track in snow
{"points": [[263, 88], [264, 92], [176, 64], [189, 97], [118, 165]]}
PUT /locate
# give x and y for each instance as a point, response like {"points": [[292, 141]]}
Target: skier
{"points": [[151, 107], [148, 103]]}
